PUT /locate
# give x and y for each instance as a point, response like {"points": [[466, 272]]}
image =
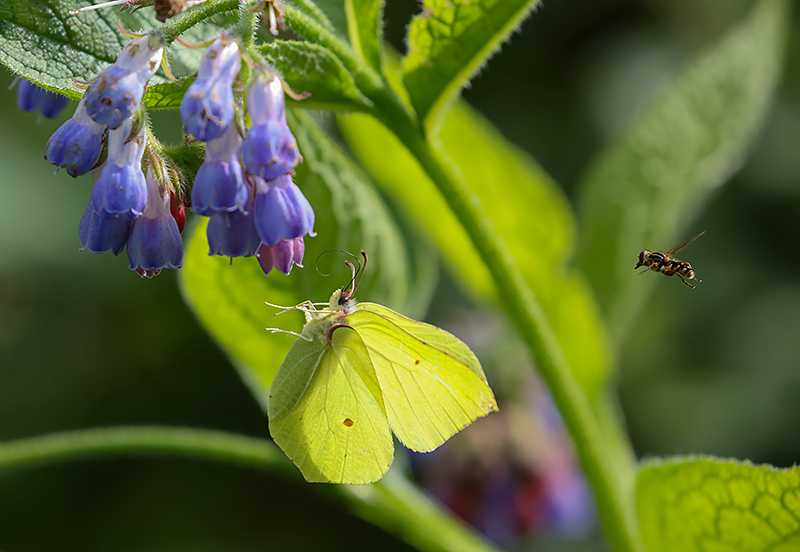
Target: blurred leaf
{"points": [[229, 300], [311, 68], [529, 212], [42, 42], [365, 26], [449, 42], [652, 180], [703, 504], [334, 12]]}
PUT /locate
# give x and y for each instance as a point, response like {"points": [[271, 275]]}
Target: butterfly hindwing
{"points": [[327, 413], [431, 383]]}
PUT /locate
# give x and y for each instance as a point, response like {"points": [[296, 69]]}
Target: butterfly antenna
{"points": [[316, 263], [352, 284], [362, 268]]}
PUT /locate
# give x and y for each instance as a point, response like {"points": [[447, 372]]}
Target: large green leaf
{"points": [[530, 215], [449, 42], [311, 68], [229, 299], [365, 26], [42, 42], [652, 180], [708, 504]]}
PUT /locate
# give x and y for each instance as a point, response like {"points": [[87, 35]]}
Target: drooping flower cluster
{"points": [[245, 183], [126, 208]]}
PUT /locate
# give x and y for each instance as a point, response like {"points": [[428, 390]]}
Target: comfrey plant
{"points": [[421, 177], [245, 184]]}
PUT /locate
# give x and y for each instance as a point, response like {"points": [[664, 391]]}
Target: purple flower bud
{"points": [[220, 184], [28, 95], [116, 93], [281, 211], [285, 254], [207, 108], [121, 189], [100, 234], [52, 104], [265, 100], [31, 97], [270, 149], [232, 235], [77, 144], [155, 241]]}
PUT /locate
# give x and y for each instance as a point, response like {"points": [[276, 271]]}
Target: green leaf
{"points": [[311, 68], [650, 182], [229, 299], [42, 42], [449, 42], [707, 504], [365, 26], [530, 214], [167, 95]]}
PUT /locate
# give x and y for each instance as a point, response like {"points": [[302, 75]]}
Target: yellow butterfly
{"points": [[359, 371]]}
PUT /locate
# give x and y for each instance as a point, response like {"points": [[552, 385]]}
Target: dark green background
{"points": [[85, 343]]}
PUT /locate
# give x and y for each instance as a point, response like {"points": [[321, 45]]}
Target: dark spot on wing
{"points": [[416, 362], [348, 422]]}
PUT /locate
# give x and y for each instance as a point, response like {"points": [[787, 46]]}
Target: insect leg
{"points": [[685, 282]]}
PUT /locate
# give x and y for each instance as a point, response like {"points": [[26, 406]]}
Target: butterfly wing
{"points": [[326, 411], [431, 383]]}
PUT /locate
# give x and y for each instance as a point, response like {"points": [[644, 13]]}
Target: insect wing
{"points": [[431, 383], [326, 411], [433, 336], [684, 244]]}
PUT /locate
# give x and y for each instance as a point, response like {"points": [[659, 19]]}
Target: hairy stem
{"points": [[197, 15], [393, 504], [614, 505]]}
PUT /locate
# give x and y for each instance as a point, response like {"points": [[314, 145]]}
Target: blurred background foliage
{"points": [[85, 343]]}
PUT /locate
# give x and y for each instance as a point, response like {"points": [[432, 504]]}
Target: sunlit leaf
{"points": [[365, 26], [651, 181], [229, 299], [311, 68], [530, 216], [704, 504], [449, 42]]}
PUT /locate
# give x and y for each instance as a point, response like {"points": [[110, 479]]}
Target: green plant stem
{"points": [[614, 505], [393, 504], [197, 15]]}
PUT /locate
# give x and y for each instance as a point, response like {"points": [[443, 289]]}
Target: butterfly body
{"points": [[360, 372]]}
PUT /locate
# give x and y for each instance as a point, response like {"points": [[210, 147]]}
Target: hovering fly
{"points": [[661, 262]]}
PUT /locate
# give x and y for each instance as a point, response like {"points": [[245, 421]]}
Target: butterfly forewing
{"points": [[432, 385], [433, 336], [326, 411]]}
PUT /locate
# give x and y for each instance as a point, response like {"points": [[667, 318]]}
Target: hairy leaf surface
{"points": [[311, 68], [449, 42], [702, 504]]}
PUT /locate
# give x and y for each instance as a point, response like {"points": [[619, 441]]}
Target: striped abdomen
{"points": [[669, 267]]}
